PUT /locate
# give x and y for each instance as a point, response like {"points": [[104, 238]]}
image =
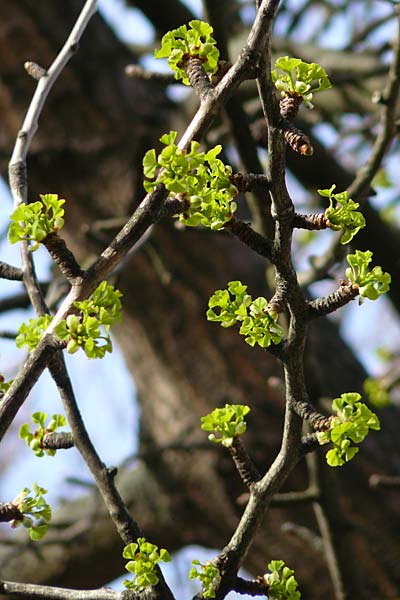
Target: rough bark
{"points": [[93, 133]]}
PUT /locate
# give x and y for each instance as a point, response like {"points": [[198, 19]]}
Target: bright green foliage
{"points": [[144, 558], [30, 334], [36, 511], [236, 306], [36, 220], [281, 581], [199, 177], [371, 283], [377, 392], [351, 424], [182, 43], [298, 78], [228, 422], [209, 576], [35, 439], [342, 213], [4, 385], [90, 329]]}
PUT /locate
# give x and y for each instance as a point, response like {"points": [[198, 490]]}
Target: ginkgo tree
{"points": [[190, 183]]}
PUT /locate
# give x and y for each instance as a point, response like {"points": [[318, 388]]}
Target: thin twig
{"points": [[137, 72], [9, 272], [388, 127], [29, 590]]}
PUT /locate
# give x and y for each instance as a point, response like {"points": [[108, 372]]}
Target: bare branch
{"points": [[245, 466], [27, 590], [10, 272], [388, 127]]}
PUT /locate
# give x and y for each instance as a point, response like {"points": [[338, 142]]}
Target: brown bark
{"points": [[93, 133]]}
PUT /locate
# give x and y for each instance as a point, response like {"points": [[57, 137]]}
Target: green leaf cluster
{"points": [[143, 559], [182, 43], [351, 424], [36, 511], [35, 439], [199, 177], [342, 213], [37, 220], [371, 283], [258, 325], [281, 582], [293, 77], [90, 329], [377, 392], [30, 334], [227, 422], [209, 576], [4, 385]]}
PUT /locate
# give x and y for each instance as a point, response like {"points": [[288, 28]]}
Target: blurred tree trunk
{"points": [[93, 132]]}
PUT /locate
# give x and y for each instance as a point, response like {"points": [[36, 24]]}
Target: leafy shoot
{"points": [[209, 576], [143, 559], [90, 328], [30, 334], [351, 425], [342, 213], [227, 422], [35, 221], [199, 177], [182, 43], [36, 512], [258, 324], [281, 582], [372, 283], [293, 77], [35, 440]]}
